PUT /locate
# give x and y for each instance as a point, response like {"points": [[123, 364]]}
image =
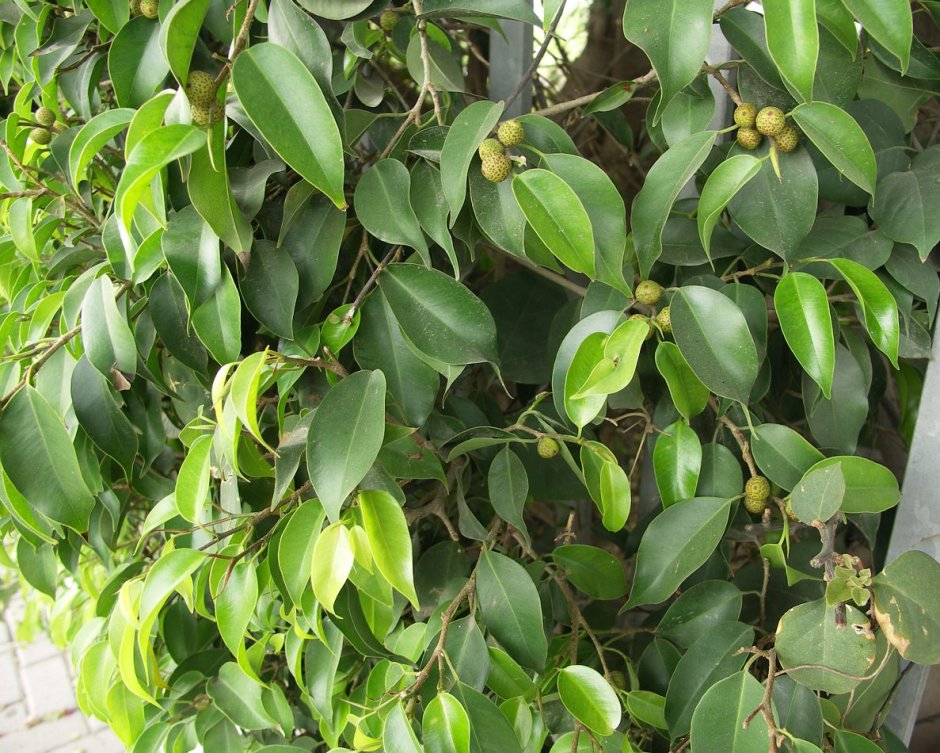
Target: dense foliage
{"points": [[326, 387]]}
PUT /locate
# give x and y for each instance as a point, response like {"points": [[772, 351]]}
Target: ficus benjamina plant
{"points": [[342, 411]]}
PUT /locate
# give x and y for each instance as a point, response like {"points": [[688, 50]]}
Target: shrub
{"points": [[322, 430]]}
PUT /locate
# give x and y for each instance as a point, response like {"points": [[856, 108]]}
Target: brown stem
{"points": [[238, 45], [357, 302], [537, 60], [728, 6], [739, 438], [716, 74], [766, 705], [571, 104]]}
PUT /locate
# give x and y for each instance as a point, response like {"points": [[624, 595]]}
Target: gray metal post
{"points": [[510, 57], [916, 526]]}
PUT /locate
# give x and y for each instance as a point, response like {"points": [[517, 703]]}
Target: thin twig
{"points": [[238, 45], [728, 6], [716, 74], [739, 438], [537, 60], [571, 104], [357, 302]]}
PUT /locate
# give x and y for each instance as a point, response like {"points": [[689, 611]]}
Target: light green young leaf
{"points": [[589, 699], [677, 462], [192, 483], [93, 136], [607, 483], [331, 563], [587, 359], [688, 393], [179, 32], [244, 392], [235, 605], [621, 351], [389, 540], [446, 726]]}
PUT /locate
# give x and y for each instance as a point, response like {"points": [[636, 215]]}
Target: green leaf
{"points": [[284, 101], [667, 176], [589, 699], [802, 307], [235, 605], [906, 607], [850, 742], [467, 132], [723, 358], [179, 32], [592, 570], [782, 454], [904, 209], [439, 315], [489, 727], [621, 353], [793, 42], [607, 484], [167, 574], [778, 214], [520, 10], [135, 62], [558, 217], [270, 287], [604, 206], [445, 726], [338, 460], [113, 14], [869, 486], [698, 609], [722, 185], [99, 414], [688, 393], [819, 494], [508, 487], [677, 461], [155, 151], [331, 564], [511, 609], [675, 35], [295, 548], [398, 735], [430, 207], [239, 698], [890, 22], [39, 458], [878, 305], [244, 391], [217, 322], [841, 139], [808, 635], [383, 206], [192, 253], [37, 566], [590, 355], [93, 136], [723, 721], [675, 545], [647, 708], [389, 540], [192, 483], [713, 657]]}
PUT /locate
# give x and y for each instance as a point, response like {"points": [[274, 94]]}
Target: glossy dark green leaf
{"points": [[888, 21], [514, 9], [592, 570], [869, 486], [93, 136], [840, 138], [878, 305], [555, 212], [511, 608], [688, 393], [179, 32], [723, 358], [99, 414], [285, 103], [439, 315], [466, 133], [793, 42], [819, 493], [338, 461], [675, 36], [106, 335], [778, 214], [669, 174], [903, 207], [721, 474], [698, 609], [270, 286], [508, 486], [384, 209], [677, 462], [430, 207], [38, 456], [675, 545], [192, 253], [711, 658], [718, 724], [802, 308], [489, 727], [217, 322], [136, 62], [782, 454], [722, 185]]}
